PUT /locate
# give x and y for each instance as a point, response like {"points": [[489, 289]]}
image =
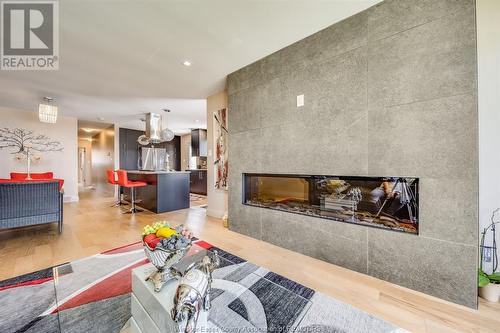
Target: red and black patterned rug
{"points": [[93, 295]]}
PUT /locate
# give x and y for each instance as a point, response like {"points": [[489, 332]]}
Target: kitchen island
{"points": [[166, 190]]}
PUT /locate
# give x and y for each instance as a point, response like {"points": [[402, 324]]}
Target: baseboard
{"points": [[215, 213], [71, 198]]}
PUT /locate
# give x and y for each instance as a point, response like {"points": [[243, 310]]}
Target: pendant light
{"points": [[167, 134], [47, 113]]}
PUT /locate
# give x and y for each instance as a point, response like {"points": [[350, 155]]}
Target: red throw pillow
{"points": [[22, 176]]}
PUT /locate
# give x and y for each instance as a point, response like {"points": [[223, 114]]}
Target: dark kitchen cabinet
{"points": [[173, 149], [198, 181], [130, 149], [199, 142]]}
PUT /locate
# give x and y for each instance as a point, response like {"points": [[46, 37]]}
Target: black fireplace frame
{"points": [[246, 179]]}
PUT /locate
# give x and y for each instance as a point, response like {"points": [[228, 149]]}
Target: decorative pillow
{"points": [[22, 176]]}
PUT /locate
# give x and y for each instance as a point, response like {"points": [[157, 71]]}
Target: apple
{"points": [[151, 240], [148, 238]]}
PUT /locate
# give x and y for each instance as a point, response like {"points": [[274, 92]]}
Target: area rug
{"points": [[93, 295]]}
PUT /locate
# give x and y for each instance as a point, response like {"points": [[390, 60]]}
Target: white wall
{"points": [[488, 44], [103, 158], [216, 198], [64, 164]]}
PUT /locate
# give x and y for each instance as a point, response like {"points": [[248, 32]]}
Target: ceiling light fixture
{"points": [[187, 63], [167, 134], [47, 113]]}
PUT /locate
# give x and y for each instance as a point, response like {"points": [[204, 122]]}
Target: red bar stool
{"points": [[124, 182], [112, 180]]}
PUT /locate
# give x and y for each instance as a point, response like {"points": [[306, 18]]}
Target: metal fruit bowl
{"points": [[162, 258]]}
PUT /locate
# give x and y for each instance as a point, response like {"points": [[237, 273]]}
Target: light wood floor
{"points": [[91, 226]]}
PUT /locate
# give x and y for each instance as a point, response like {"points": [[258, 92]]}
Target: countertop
{"points": [[154, 172], [196, 170]]}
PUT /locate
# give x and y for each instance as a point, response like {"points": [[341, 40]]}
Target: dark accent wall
{"points": [[389, 91]]}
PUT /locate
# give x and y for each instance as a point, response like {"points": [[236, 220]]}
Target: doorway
{"points": [[95, 155], [81, 166]]}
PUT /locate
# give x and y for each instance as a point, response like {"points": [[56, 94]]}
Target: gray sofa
{"points": [[30, 203]]}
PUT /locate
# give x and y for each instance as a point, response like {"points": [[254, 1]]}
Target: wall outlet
{"points": [[300, 101], [487, 254]]}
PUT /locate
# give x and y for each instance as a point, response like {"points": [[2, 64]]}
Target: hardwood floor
{"points": [[91, 226]]}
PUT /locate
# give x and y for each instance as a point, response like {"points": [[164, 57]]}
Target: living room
{"points": [[246, 166]]}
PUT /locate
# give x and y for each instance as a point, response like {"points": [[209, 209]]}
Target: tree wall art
{"points": [[20, 140]]}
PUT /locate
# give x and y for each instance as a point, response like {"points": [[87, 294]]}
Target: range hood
{"points": [[155, 133], [153, 127]]}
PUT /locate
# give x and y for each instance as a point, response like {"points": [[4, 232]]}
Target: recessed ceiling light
{"points": [[197, 120], [88, 130], [187, 63], [100, 118]]}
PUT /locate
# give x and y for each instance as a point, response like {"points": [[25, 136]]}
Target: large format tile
{"points": [[245, 151], [287, 149], [449, 210], [433, 60], [276, 107], [439, 268], [279, 100], [279, 229], [254, 74], [245, 107], [341, 89], [238, 80], [433, 139], [332, 41], [339, 138], [393, 16], [243, 219], [339, 229], [340, 251], [341, 151]]}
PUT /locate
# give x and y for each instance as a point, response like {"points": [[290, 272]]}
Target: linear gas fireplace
{"points": [[383, 202]]}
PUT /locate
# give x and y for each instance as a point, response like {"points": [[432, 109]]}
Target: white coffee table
{"points": [[151, 310]]}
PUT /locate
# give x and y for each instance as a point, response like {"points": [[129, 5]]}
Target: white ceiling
{"points": [[122, 58]]}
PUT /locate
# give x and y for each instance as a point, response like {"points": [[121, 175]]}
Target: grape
{"points": [[148, 230], [151, 229]]}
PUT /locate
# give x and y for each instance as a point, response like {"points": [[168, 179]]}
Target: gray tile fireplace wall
{"points": [[390, 91]]}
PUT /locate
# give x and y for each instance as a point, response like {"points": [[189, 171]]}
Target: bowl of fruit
{"points": [[164, 247]]}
